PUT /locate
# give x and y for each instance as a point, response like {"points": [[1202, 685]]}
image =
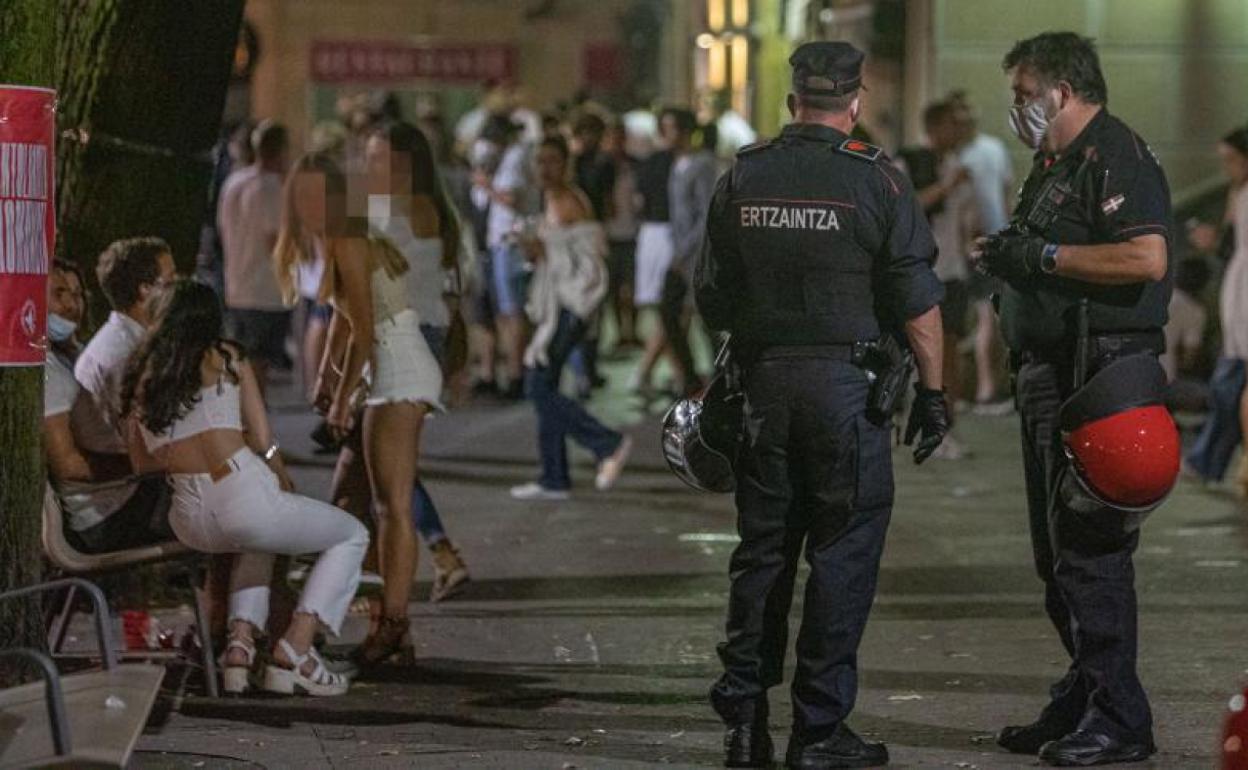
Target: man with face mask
{"points": [[104, 511], [1087, 251], [815, 246]]}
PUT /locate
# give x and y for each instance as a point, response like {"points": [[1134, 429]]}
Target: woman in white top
{"points": [[402, 175], [1223, 432], [569, 282], [199, 415], [375, 349]]}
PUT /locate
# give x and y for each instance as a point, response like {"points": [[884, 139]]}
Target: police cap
{"points": [[826, 68]]}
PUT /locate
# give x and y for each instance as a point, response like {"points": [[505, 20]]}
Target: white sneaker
{"points": [[609, 470], [951, 449], [535, 491]]}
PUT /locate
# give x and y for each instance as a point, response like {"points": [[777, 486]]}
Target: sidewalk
{"points": [[587, 638]]}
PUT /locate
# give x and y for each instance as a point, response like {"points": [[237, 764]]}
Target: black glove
{"points": [[929, 415], [1012, 258]]}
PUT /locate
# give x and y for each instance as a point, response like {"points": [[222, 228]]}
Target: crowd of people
{"points": [[400, 268]]}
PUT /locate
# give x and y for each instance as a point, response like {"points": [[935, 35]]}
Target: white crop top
{"points": [[218, 408]]}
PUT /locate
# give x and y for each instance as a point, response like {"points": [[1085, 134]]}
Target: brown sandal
{"points": [[391, 642]]}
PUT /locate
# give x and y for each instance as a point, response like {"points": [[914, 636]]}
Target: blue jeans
{"points": [[1211, 454], [559, 416], [424, 513]]}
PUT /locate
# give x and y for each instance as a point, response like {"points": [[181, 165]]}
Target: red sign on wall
{"points": [[27, 221], [603, 66], [379, 62]]}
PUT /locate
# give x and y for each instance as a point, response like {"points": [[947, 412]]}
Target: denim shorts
{"points": [[507, 279]]}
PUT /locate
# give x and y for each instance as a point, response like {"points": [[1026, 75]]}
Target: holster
{"points": [[889, 365]]}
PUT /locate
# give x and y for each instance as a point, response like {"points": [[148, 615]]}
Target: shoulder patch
{"points": [[755, 147], [860, 149]]}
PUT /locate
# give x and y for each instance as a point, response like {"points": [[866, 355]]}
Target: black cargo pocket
{"points": [[874, 469]]}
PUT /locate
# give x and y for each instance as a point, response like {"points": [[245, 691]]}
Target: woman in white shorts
{"points": [[199, 414], [654, 255], [374, 342]]}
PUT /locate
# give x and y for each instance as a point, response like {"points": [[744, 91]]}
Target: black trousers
{"points": [[1085, 561], [815, 478]]}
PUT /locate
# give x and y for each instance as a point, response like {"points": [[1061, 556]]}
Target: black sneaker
{"points": [[843, 748], [748, 745], [1084, 748]]}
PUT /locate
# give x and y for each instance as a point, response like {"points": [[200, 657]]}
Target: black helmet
{"points": [[701, 435]]}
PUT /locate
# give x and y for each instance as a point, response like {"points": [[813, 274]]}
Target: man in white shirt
{"points": [[248, 219], [943, 186], [988, 162], [87, 462], [513, 196]]}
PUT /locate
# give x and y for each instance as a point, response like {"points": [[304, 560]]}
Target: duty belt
{"points": [[1102, 348], [833, 352]]}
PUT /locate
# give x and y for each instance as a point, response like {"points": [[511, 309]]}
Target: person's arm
{"points": [[330, 369], [1133, 206], [700, 191], [256, 430], [926, 336], [719, 275], [69, 462], [353, 266], [1137, 260], [933, 194]]}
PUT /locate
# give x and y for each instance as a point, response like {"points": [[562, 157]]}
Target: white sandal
{"points": [[289, 681], [236, 680]]}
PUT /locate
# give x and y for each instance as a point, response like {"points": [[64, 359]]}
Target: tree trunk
{"points": [[143, 86], [26, 58]]}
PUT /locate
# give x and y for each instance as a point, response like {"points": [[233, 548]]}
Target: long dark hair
{"points": [[163, 380], [426, 180]]}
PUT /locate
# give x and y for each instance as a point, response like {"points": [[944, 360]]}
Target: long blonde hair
{"points": [[295, 244]]}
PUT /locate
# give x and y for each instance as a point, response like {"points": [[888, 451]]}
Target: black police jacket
{"points": [[1117, 191], [814, 238]]}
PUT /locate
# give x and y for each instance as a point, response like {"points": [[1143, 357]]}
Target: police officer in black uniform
{"points": [[1087, 247], [815, 244]]}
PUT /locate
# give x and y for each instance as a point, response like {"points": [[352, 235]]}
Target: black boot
{"points": [[843, 748], [748, 745], [1084, 748], [1027, 739]]}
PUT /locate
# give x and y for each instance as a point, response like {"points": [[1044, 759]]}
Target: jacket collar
{"points": [[815, 131]]}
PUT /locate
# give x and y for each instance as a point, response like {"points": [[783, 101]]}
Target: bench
{"points": [[90, 719], [71, 561]]}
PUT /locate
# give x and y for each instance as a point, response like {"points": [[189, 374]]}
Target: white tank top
{"points": [[218, 408]]}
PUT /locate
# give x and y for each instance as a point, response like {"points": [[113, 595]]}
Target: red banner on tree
{"points": [[27, 221], [381, 62]]}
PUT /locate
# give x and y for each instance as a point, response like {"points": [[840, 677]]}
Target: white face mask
{"points": [[60, 328], [1030, 122]]}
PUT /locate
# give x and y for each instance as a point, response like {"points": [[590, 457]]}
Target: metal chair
{"points": [[62, 554], [86, 719]]}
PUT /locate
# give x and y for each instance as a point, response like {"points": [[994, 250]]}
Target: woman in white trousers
{"points": [[197, 412]]}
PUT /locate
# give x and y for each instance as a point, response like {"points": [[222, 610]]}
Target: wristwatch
{"points": [[1048, 258], [270, 453]]}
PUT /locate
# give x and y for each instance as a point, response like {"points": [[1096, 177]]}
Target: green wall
{"points": [[1177, 70]]}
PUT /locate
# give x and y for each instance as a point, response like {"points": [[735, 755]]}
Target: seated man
{"points": [[87, 460]]}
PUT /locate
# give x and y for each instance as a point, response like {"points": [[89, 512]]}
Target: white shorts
{"points": [[654, 257], [405, 367]]}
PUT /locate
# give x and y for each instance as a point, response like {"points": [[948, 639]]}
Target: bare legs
{"points": [[391, 449]]}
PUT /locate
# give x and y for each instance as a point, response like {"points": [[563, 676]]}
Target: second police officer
{"points": [[815, 245], [1086, 257]]}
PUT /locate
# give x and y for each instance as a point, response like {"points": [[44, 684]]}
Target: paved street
{"points": [[587, 637]]}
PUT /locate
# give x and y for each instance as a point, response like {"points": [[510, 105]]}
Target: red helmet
{"points": [[1235, 735], [1122, 443]]}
